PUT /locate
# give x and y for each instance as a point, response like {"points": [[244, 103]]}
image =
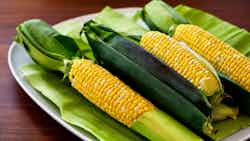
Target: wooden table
{"points": [[20, 117]]}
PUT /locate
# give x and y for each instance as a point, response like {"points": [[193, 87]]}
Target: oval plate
{"points": [[18, 57]]}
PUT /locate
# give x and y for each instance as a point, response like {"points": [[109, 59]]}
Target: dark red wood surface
{"points": [[20, 118]]}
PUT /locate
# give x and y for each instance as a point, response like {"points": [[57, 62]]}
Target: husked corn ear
{"points": [[107, 92], [182, 61], [222, 56]]}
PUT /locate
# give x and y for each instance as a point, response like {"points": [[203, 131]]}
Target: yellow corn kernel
{"points": [[222, 56], [182, 61], [107, 92]]}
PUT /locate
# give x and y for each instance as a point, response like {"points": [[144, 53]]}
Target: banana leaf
{"points": [[235, 36], [74, 109]]}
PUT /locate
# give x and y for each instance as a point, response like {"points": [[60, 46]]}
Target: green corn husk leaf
{"points": [[120, 22], [158, 15], [231, 34], [74, 109]]}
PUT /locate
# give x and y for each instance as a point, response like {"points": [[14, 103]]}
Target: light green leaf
{"points": [[119, 22]]}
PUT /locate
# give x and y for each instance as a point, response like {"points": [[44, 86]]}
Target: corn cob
{"points": [[108, 92], [222, 56], [181, 60]]}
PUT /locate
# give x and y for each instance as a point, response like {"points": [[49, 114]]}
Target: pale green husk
{"points": [[159, 126], [231, 34], [161, 16], [74, 109]]}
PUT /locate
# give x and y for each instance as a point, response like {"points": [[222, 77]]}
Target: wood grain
{"points": [[20, 118]]}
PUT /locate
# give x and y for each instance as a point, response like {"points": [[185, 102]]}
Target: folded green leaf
{"points": [[231, 34], [74, 108], [45, 45], [44, 38]]}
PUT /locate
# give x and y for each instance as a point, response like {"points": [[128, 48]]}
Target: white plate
{"points": [[17, 57]]}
